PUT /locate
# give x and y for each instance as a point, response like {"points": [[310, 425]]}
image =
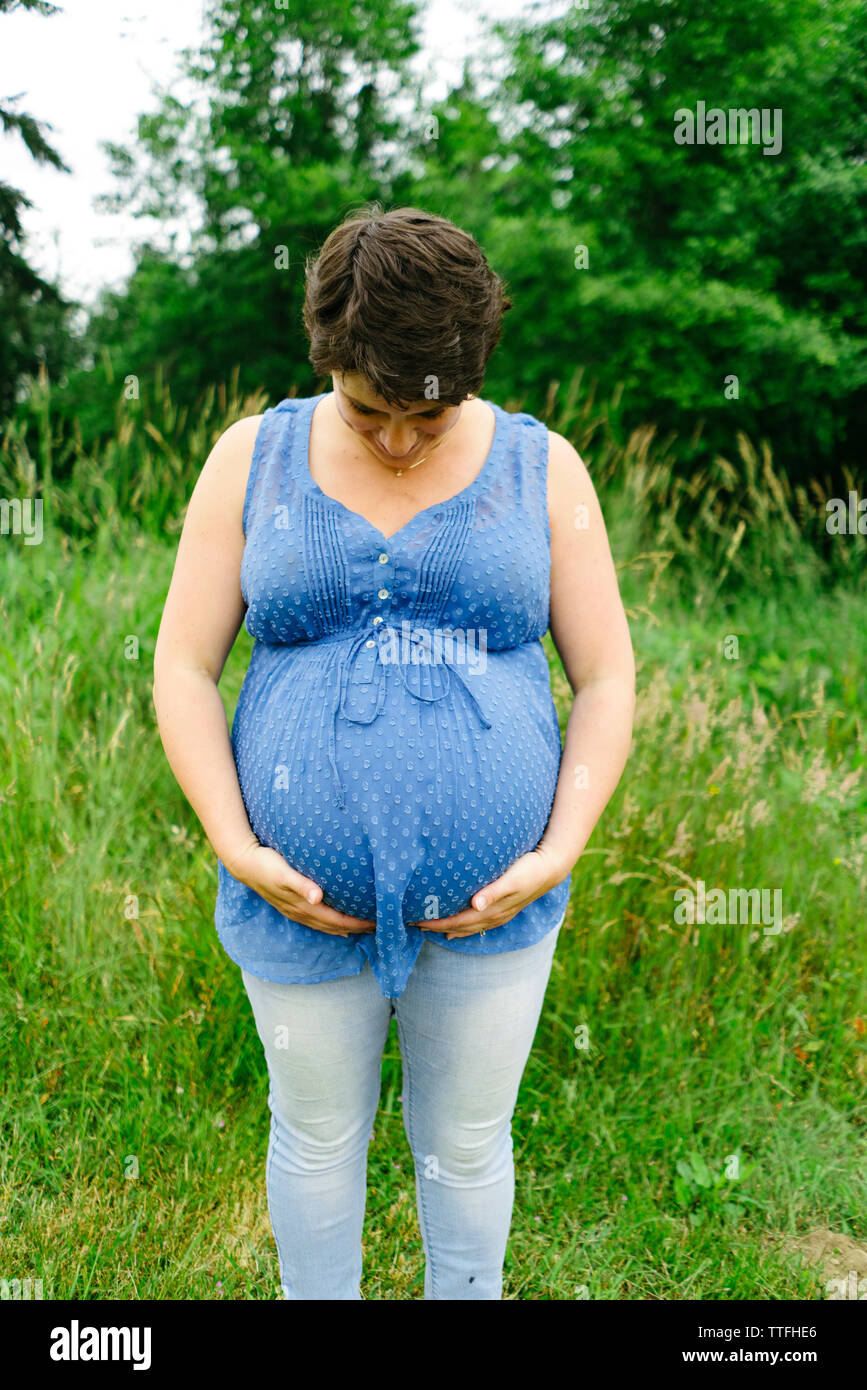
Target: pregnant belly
{"points": [[436, 804]]}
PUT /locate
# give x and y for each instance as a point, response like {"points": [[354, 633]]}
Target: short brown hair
{"points": [[401, 296]]}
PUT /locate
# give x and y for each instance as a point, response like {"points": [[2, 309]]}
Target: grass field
{"points": [[716, 1114]]}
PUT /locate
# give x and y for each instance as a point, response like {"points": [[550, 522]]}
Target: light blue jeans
{"points": [[465, 1026]]}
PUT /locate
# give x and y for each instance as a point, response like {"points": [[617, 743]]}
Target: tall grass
{"points": [[134, 1111], [740, 519], [145, 470]]}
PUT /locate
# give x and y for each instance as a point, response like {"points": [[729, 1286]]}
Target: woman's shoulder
{"points": [[222, 481], [236, 448], [292, 403], [233, 448], [522, 417], [228, 474]]}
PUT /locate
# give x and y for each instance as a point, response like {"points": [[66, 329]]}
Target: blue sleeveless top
{"points": [[395, 737]]}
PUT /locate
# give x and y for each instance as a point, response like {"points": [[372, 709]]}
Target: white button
{"points": [[375, 621], [370, 643], [383, 559], [383, 593]]}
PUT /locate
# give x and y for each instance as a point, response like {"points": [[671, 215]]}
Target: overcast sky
{"points": [[91, 70]]}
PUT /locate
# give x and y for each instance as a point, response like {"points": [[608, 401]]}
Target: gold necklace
{"points": [[401, 471], [397, 472]]}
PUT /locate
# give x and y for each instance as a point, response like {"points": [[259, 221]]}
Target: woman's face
{"points": [[398, 437]]}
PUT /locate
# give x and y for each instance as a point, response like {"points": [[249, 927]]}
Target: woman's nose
{"points": [[398, 440]]}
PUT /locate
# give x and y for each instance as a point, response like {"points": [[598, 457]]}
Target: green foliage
{"points": [[706, 260], [295, 130], [724, 289], [703, 1194], [34, 316], [147, 469]]}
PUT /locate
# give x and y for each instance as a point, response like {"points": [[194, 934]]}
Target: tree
{"points": [[34, 318], [289, 129], [707, 260]]}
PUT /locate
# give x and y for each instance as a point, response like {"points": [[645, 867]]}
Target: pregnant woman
{"points": [[394, 826]]}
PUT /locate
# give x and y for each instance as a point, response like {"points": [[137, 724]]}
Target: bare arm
{"points": [[202, 616], [203, 613], [590, 632]]}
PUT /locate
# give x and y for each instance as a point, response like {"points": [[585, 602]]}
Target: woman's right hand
{"points": [[268, 874]]}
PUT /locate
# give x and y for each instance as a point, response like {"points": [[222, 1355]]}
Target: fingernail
{"points": [[311, 895], [481, 902]]}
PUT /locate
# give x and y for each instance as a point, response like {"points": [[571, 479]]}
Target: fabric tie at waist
{"points": [[363, 673]]}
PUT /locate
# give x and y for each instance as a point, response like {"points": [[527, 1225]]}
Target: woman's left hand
{"points": [[528, 878]]}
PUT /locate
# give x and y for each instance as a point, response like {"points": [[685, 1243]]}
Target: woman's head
{"points": [[405, 303]]}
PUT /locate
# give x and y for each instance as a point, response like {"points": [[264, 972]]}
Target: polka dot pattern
{"points": [[395, 737]]}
